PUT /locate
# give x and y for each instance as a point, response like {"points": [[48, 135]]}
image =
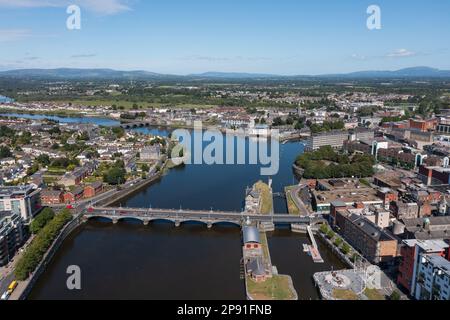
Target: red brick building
{"points": [[73, 196], [423, 125], [49, 197], [93, 189]]}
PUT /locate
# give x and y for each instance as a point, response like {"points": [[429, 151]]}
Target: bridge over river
{"points": [[207, 217]]}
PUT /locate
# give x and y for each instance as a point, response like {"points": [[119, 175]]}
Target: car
{"points": [[5, 296], [70, 207]]}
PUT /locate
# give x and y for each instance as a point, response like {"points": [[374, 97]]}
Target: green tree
{"points": [[5, 152], [41, 220], [115, 176], [43, 159], [345, 249], [395, 296]]}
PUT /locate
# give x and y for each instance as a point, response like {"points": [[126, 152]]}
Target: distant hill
{"points": [[415, 72], [71, 73]]}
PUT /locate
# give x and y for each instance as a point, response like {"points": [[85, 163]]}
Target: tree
{"points": [[5, 152], [338, 242], [145, 168], [345, 249], [43, 159], [324, 229], [37, 249], [115, 176], [395, 296], [330, 234], [41, 220]]}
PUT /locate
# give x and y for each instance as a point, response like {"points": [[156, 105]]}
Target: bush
{"points": [[394, 296], [338, 242], [41, 220], [330, 234], [324, 229], [345, 249], [36, 251]]}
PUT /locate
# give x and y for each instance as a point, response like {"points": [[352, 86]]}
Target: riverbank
{"points": [[24, 287]]}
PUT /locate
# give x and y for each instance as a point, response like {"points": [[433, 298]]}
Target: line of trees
{"points": [[44, 239], [41, 220]]}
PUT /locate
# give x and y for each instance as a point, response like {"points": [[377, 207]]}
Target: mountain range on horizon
{"points": [[78, 73]]}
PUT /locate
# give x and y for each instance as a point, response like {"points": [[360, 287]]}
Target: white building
{"points": [[433, 280], [23, 201]]}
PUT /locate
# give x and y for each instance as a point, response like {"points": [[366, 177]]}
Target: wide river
{"points": [[160, 261]]}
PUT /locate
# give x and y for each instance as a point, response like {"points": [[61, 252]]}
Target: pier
{"points": [[314, 248]]}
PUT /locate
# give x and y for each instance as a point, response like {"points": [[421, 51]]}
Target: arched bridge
{"points": [[180, 216], [139, 124]]}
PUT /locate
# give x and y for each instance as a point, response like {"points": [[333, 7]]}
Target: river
{"points": [[160, 261]]}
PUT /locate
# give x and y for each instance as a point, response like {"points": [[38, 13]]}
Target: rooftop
{"points": [[369, 228], [427, 245]]}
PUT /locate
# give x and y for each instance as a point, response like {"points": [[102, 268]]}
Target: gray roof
{"points": [[250, 234], [439, 262], [256, 266], [370, 228]]}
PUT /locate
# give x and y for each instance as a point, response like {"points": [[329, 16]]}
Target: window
{"points": [[15, 206]]}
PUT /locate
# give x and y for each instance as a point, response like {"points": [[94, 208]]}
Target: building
{"points": [[423, 125], [388, 196], [434, 175], [151, 153], [405, 210], [444, 126], [50, 197], [255, 265], [93, 189], [24, 201], [433, 279], [12, 236], [427, 228], [322, 200], [375, 244], [73, 196], [410, 252], [335, 139]]}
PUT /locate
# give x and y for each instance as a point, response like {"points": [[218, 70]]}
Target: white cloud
{"points": [[401, 53], [7, 35], [358, 57], [98, 6]]}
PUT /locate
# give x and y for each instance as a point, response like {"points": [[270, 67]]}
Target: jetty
{"points": [[314, 248]]}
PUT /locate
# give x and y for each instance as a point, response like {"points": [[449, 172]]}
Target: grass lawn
{"points": [[374, 294], [266, 195], [344, 294], [275, 288], [264, 244], [292, 207]]}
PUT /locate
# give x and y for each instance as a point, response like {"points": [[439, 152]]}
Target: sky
{"points": [[288, 37]]}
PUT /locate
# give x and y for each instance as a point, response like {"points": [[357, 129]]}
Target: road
{"points": [[294, 192]]}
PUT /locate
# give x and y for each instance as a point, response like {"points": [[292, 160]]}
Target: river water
{"points": [[160, 261]]}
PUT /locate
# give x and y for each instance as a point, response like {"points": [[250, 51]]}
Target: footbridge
{"points": [[181, 216]]}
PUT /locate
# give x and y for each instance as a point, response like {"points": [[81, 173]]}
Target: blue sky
{"points": [[190, 36]]}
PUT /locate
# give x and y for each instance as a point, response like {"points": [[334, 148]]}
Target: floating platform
{"points": [[315, 254]]}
